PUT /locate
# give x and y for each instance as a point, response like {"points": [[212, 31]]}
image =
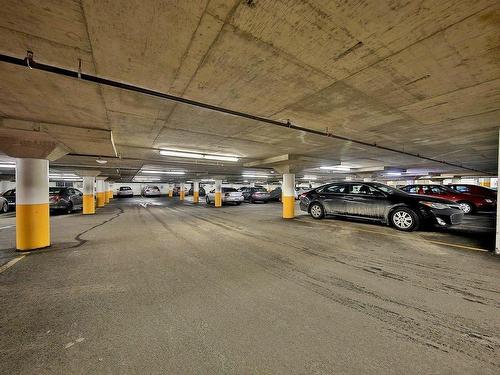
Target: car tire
{"points": [[404, 219], [317, 211], [238, 203], [467, 207], [69, 208], [5, 207]]}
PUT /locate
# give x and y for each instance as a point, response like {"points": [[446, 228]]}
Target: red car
{"points": [[475, 190], [468, 202]]}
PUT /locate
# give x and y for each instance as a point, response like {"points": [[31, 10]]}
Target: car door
{"points": [[332, 198], [365, 201], [78, 198]]}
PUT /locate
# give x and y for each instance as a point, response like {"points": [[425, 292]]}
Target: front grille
{"points": [[456, 218]]}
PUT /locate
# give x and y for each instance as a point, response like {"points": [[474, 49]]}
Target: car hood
{"points": [[428, 198]]}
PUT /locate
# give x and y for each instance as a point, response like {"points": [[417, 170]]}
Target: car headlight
{"points": [[488, 200], [438, 206]]}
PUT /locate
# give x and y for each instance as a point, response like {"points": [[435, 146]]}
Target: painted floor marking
{"points": [[10, 263]]}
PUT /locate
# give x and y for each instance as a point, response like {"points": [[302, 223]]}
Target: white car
{"points": [[229, 195], [151, 191], [125, 191]]}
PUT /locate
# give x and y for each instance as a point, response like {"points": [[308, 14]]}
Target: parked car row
{"points": [[470, 198], [65, 199]]}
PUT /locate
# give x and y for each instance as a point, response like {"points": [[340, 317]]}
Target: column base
{"points": [[32, 226], [288, 207]]}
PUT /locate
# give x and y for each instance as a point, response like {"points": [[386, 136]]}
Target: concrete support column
{"points": [[497, 242], [170, 190], [106, 192], [110, 191], [32, 204], [101, 192], [288, 196], [88, 195], [218, 193], [182, 193], [196, 191]]}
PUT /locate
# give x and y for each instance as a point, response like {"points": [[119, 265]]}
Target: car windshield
{"points": [[228, 190]]}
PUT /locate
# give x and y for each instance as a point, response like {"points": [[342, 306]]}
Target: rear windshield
{"points": [[228, 190], [261, 190], [125, 188], [153, 187]]}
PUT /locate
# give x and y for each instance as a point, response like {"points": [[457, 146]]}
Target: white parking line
{"points": [[10, 263], [8, 226]]}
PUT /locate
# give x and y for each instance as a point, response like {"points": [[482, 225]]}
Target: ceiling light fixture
{"points": [[195, 155], [101, 161], [393, 173], [337, 168], [164, 172], [254, 176]]}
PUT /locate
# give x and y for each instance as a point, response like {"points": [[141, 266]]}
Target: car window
{"points": [[228, 190], [9, 193], [261, 189], [461, 189], [411, 189], [436, 190], [362, 189], [335, 189], [53, 191]]}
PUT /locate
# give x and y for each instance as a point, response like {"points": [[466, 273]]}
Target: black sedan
{"points": [[378, 202], [65, 199]]}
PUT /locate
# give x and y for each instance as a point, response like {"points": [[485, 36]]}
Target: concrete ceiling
{"points": [[418, 76]]}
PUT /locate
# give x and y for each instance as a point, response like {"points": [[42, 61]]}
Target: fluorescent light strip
{"points": [[194, 155], [254, 176], [337, 168], [8, 166], [164, 172]]}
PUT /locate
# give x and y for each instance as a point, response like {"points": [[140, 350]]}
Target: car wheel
{"points": [[466, 207], [69, 208], [5, 207], [404, 219], [317, 211], [238, 203]]}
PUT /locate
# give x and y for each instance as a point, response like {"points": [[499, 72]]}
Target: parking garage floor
{"points": [[155, 286]]}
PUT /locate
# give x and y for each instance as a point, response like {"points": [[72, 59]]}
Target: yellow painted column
{"points": [[32, 204], [101, 195], [218, 193], [110, 191], [196, 191], [88, 195], [182, 193], [170, 190], [288, 196]]}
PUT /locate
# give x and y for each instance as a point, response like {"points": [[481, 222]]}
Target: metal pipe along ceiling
{"points": [[29, 63]]}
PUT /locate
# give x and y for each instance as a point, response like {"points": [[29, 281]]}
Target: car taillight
{"points": [[56, 198], [303, 195]]}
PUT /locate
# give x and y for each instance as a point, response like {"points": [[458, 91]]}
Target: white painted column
{"points": [[196, 191], [32, 204], [181, 192], [218, 193], [101, 192], [88, 195], [288, 196], [497, 241]]}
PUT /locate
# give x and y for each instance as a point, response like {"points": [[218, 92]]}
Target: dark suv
{"points": [[378, 202]]}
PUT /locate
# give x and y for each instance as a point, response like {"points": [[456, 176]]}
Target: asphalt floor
{"points": [[158, 286]]}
